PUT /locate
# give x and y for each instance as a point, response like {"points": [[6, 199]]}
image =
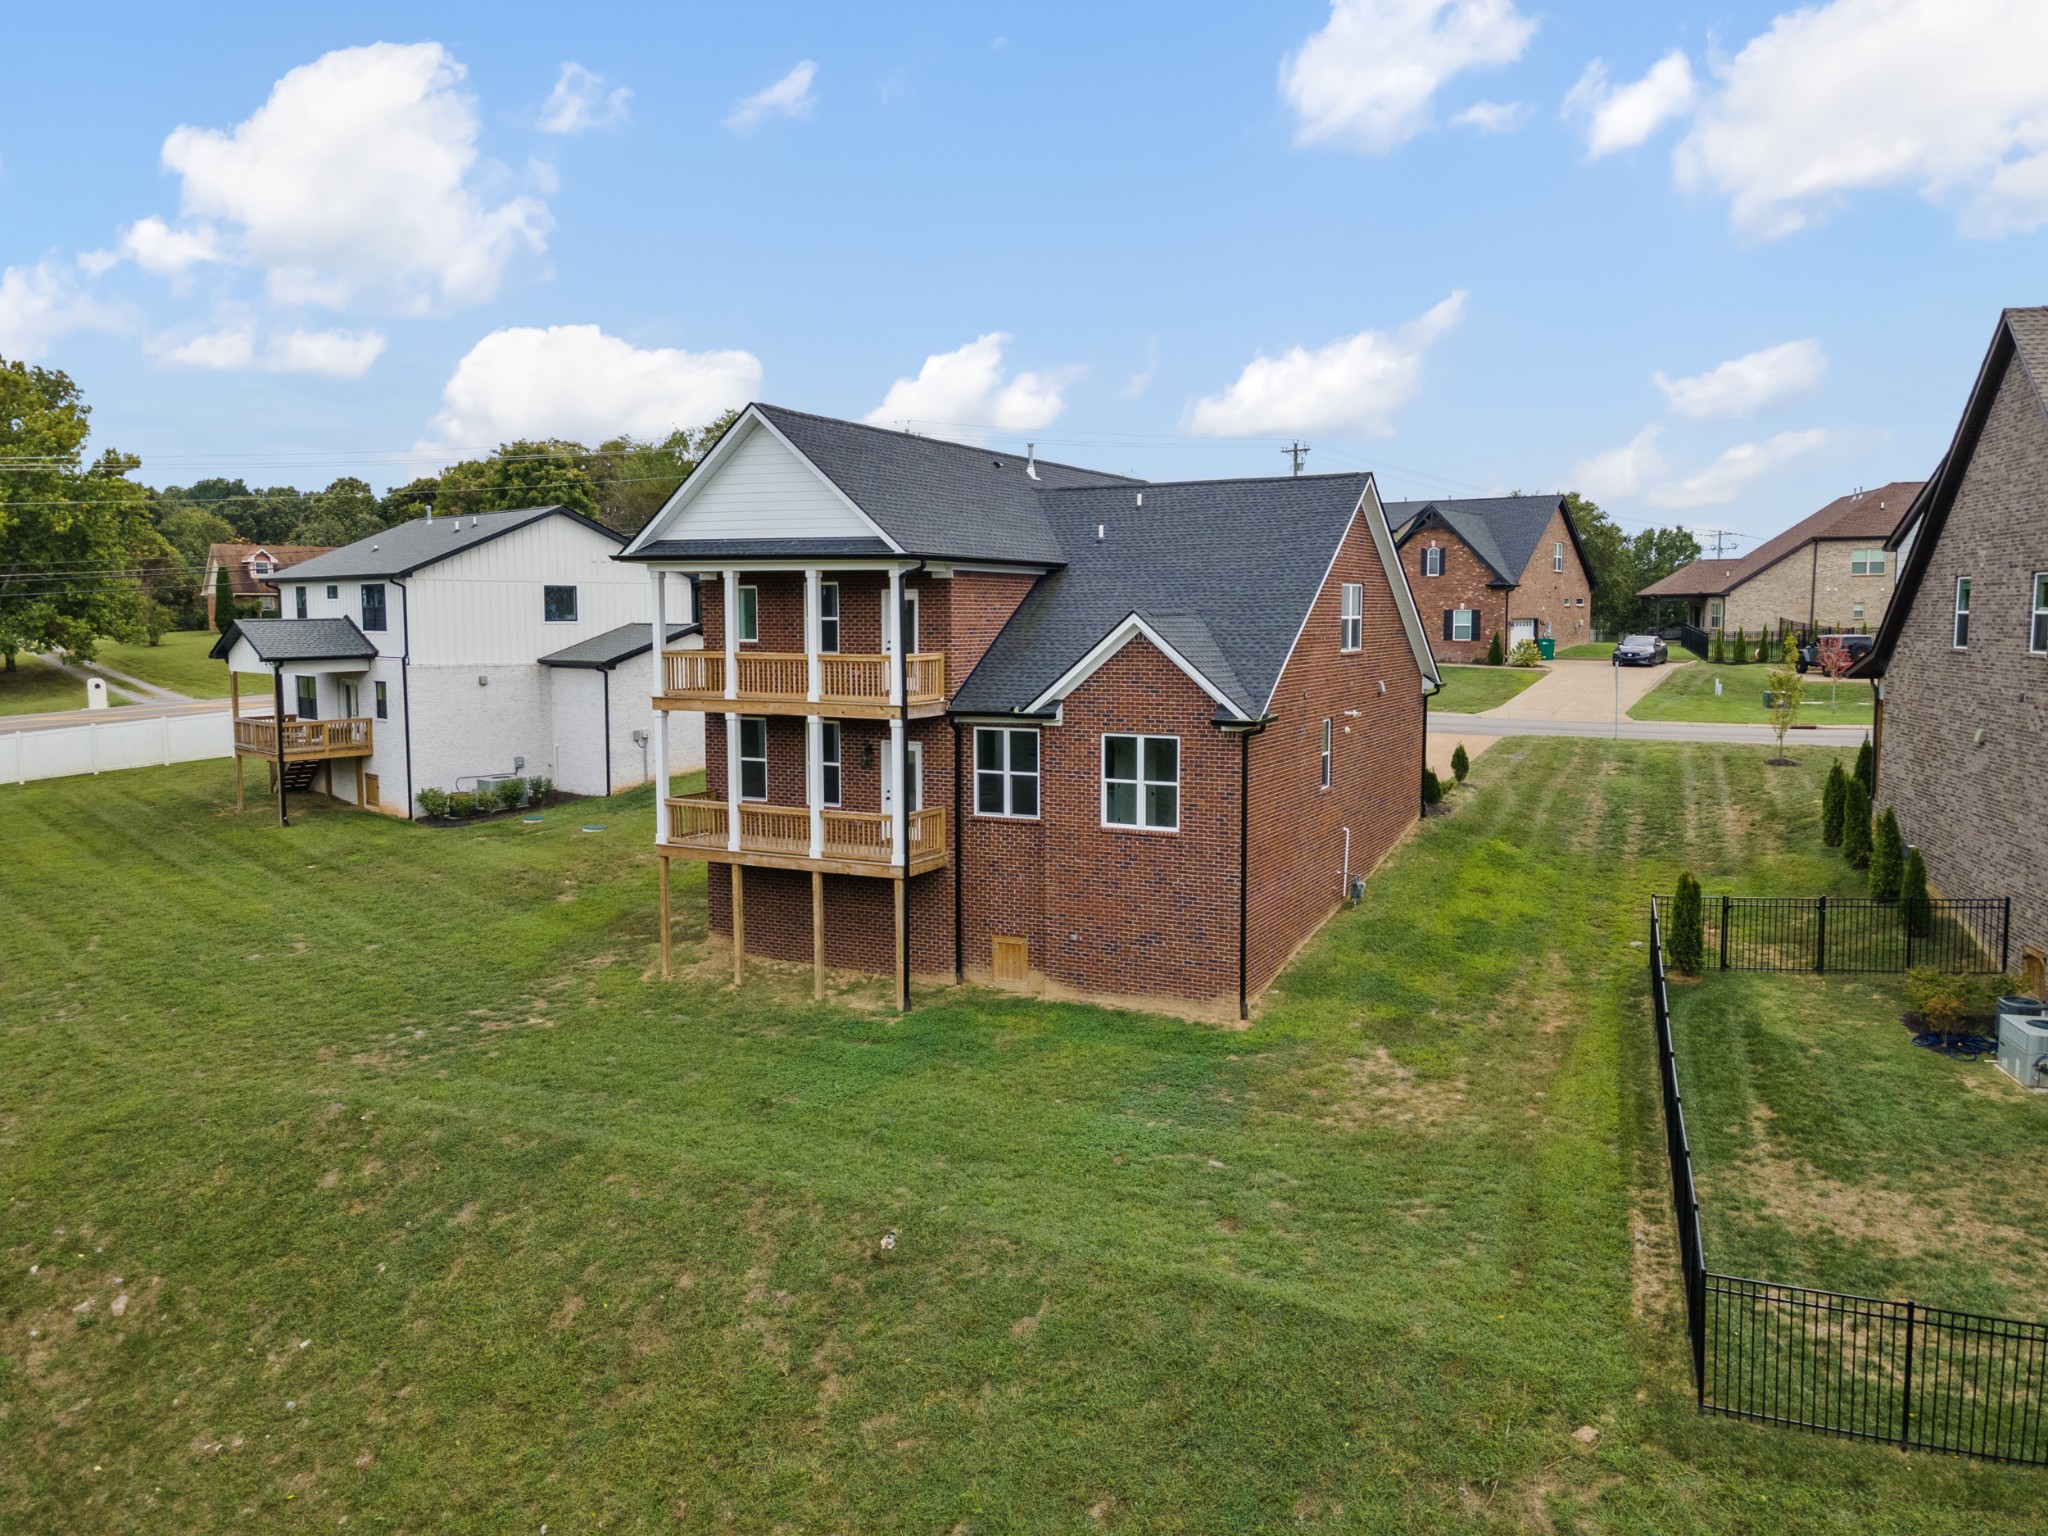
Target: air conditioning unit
{"points": [[2023, 1049]]}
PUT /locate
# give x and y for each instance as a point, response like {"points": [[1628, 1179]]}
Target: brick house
{"points": [[1962, 656], [971, 715], [251, 570], [1506, 565], [1829, 572]]}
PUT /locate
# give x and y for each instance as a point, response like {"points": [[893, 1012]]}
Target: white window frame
{"points": [[831, 763], [1433, 561], [1716, 612], [910, 619], [832, 618], [1557, 557], [749, 599], [1856, 612], [1009, 774], [1142, 783], [1351, 622], [1959, 636], [762, 722], [1866, 562], [1470, 618], [301, 590], [1326, 751], [2037, 630], [383, 703], [575, 604]]}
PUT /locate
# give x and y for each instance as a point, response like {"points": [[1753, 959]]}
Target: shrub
{"points": [[1914, 905], [512, 793], [1526, 654], [538, 788], [462, 803], [1831, 804], [223, 600], [1432, 788], [1866, 769], [1944, 1001], [1856, 826], [486, 798], [434, 802], [1493, 650], [1717, 656], [1460, 763], [1887, 857], [1685, 941], [1741, 645]]}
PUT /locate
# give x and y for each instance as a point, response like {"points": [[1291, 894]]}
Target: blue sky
{"points": [[1455, 241]]}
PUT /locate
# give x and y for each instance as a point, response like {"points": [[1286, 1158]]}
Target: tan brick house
{"points": [[1828, 573], [1506, 565], [252, 570], [1962, 656], [970, 715]]}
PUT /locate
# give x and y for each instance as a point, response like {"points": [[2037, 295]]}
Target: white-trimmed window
{"points": [[1005, 771], [1856, 612], [1432, 561], [302, 600], [1962, 634], [1557, 557], [1714, 614], [1352, 637], [1326, 752], [2037, 635], [828, 761], [753, 757], [1461, 623], [750, 615], [1866, 562], [1141, 782], [828, 617]]}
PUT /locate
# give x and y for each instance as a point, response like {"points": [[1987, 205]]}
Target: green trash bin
{"points": [[1547, 648]]}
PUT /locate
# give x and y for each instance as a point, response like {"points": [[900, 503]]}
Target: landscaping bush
{"points": [[223, 600], [1944, 1001], [1914, 905], [1887, 857], [1460, 763], [512, 794], [434, 802], [1493, 650], [1856, 825], [1741, 645], [1866, 769], [1432, 788], [1716, 655], [462, 803], [1831, 804], [486, 799], [538, 788], [1685, 939], [1526, 654]]}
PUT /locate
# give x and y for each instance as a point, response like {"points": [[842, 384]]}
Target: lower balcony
{"points": [[304, 740], [779, 837]]}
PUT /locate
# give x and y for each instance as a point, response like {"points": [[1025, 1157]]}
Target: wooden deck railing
{"points": [[785, 677], [862, 837], [304, 738]]}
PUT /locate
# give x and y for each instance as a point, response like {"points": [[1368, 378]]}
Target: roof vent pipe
{"points": [[1101, 532], [1031, 460], [1141, 498]]}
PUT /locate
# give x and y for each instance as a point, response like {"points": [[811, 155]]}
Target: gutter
{"points": [[1245, 733], [405, 689]]}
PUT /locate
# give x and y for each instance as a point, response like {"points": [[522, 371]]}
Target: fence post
{"points": [[1906, 1391], [1724, 932], [2005, 939], [1820, 943]]}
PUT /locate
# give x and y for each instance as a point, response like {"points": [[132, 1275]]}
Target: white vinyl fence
{"points": [[105, 745]]}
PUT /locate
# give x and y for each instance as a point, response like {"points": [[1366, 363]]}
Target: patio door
{"points": [[916, 753], [909, 621]]}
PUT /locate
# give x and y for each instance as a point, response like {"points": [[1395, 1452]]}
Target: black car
{"points": [[1641, 651], [1858, 647]]}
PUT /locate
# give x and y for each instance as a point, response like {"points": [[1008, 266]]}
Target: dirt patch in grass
{"points": [[1378, 1090]]}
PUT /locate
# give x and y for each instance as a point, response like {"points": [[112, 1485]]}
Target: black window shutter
{"points": [[1447, 622]]}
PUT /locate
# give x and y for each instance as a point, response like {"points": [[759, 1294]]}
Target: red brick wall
{"points": [[1552, 598], [981, 603], [1462, 585], [1297, 837]]}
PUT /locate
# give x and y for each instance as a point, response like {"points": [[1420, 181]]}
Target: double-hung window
{"points": [[1353, 627], [1962, 637], [1141, 782], [1005, 771], [1326, 752], [1557, 557], [558, 605], [750, 615], [1866, 562], [302, 601], [2037, 636], [1433, 561], [753, 757], [828, 617], [1460, 623], [828, 762], [373, 605]]}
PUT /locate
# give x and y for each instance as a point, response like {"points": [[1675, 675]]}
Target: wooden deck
{"points": [[304, 740], [778, 683], [779, 837]]}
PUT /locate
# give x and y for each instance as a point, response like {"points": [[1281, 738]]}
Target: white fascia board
{"points": [[748, 424], [1130, 629]]}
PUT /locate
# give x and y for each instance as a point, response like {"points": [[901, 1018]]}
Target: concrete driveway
{"points": [[1581, 690]]}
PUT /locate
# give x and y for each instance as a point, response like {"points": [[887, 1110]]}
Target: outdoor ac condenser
{"points": [[2023, 1049]]}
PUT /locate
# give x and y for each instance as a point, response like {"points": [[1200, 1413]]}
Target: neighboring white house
{"points": [[449, 649]]}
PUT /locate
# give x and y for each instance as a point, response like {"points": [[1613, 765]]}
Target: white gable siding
{"points": [[762, 490], [347, 603], [484, 607]]}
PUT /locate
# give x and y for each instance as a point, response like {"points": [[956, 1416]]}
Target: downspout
{"points": [[1244, 870], [1425, 755], [606, 673], [405, 688], [903, 766], [959, 925], [284, 818]]}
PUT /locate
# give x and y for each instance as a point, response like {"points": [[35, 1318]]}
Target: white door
{"points": [[916, 753], [1520, 630], [909, 623]]}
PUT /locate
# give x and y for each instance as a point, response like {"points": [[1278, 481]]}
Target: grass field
{"points": [[1468, 690], [1687, 693], [361, 1171], [1833, 1152], [179, 663], [1592, 650], [34, 687]]}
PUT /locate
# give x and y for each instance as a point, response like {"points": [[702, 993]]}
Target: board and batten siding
{"points": [[484, 606], [762, 490]]}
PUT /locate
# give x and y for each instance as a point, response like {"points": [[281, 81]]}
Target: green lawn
{"points": [[367, 1171], [180, 663], [1687, 693], [35, 687], [1468, 690], [1592, 650]]}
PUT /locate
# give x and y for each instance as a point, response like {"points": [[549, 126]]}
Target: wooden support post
{"points": [[234, 719], [238, 781], [739, 927], [817, 934], [902, 950], [663, 862]]}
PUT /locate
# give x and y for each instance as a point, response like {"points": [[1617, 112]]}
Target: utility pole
{"points": [[1296, 451]]}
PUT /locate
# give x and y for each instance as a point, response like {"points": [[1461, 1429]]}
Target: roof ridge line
{"points": [[942, 442]]}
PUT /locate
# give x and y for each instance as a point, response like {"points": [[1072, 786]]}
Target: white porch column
{"points": [[899, 810], [814, 778], [732, 635], [732, 782], [660, 731], [814, 632], [892, 635]]}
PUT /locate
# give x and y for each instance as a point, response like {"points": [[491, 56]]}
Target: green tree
{"points": [[1460, 763], [549, 473], [1494, 654], [1788, 692], [257, 517], [346, 511], [223, 600], [1866, 768], [1831, 804], [1914, 905], [1715, 654], [1686, 940], [1856, 825], [1887, 857], [1622, 566]]}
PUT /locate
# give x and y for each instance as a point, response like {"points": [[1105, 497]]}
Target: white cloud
{"points": [[1743, 386], [1494, 116], [1947, 97], [1736, 470], [788, 97], [1354, 384], [40, 303], [354, 180], [1367, 80], [966, 394], [1623, 116], [580, 100], [332, 354], [1141, 381], [577, 382], [156, 247], [1621, 472]]}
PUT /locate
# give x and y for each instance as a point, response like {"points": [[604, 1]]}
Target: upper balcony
{"points": [[304, 740], [791, 683]]}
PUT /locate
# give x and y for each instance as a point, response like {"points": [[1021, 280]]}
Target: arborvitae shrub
{"points": [[1856, 825], [1831, 804], [1914, 905], [1432, 788], [1685, 941], [1494, 655], [1460, 763], [1887, 857], [1866, 768]]}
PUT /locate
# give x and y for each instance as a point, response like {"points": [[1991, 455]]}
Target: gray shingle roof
{"points": [[1502, 530], [1224, 570], [275, 640], [409, 546], [763, 549], [605, 651]]}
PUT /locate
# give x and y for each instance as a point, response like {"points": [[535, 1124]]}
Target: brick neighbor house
{"points": [[973, 715], [1506, 565], [1962, 656], [1829, 572], [251, 570]]}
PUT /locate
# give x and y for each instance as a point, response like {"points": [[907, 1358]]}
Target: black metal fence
{"points": [[1969, 936], [1923, 1378]]}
